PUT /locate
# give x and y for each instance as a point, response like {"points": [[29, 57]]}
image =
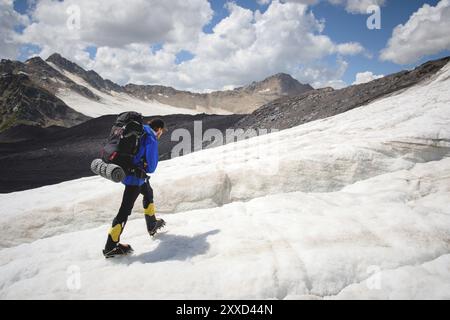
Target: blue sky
{"points": [[341, 26], [21, 6]]}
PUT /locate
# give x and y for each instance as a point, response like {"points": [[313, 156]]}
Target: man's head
{"points": [[158, 126]]}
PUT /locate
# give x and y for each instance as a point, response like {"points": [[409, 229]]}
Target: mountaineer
{"points": [[134, 146]]}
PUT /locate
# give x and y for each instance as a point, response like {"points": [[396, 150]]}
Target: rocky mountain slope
{"points": [[24, 102], [291, 111], [45, 76], [89, 94], [240, 100], [91, 77]]}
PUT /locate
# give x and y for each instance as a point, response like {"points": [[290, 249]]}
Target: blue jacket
{"points": [[148, 153]]}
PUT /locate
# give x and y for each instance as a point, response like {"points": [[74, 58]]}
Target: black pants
{"points": [[130, 195]]}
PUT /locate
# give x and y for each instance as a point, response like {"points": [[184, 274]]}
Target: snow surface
{"points": [[355, 206]]}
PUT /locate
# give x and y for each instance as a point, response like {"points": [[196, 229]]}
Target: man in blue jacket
{"points": [[146, 161]]}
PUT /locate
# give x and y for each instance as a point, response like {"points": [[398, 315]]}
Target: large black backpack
{"points": [[123, 141]]}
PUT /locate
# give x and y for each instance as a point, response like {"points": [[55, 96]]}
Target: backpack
{"points": [[123, 142]]}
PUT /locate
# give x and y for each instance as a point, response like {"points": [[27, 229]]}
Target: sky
{"points": [[202, 45]]}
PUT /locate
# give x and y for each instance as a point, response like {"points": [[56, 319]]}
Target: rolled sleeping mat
{"points": [[109, 171], [115, 173], [95, 166]]}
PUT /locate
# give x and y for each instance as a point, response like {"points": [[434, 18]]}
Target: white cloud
{"points": [[351, 48], [361, 6], [9, 19], [246, 46], [364, 77], [425, 33], [263, 2], [136, 63], [243, 47], [320, 76], [113, 23], [307, 2], [351, 6]]}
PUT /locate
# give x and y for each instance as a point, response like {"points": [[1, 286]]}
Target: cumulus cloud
{"points": [[113, 23], [243, 47], [359, 6], [364, 77], [9, 20], [425, 33], [247, 45], [321, 76], [307, 2], [136, 63], [351, 48], [263, 2], [351, 6]]}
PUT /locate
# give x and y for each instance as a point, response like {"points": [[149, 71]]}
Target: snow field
{"points": [[353, 206]]}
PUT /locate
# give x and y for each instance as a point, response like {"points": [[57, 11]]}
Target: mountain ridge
{"points": [[68, 82], [90, 76], [239, 100], [288, 112]]}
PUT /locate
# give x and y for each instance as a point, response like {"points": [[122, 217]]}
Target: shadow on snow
{"points": [[176, 247]]}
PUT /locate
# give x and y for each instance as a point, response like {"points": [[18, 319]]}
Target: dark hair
{"points": [[156, 124]]}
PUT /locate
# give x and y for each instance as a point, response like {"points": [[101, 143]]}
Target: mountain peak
{"points": [[282, 75], [55, 56], [280, 83], [35, 61], [92, 77], [65, 64]]}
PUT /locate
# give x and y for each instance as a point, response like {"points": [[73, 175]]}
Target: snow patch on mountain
{"points": [[117, 103], [112, 103]]}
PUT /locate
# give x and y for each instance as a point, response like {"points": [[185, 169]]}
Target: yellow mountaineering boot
{"points": [[153, 224], [113, 247]]}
